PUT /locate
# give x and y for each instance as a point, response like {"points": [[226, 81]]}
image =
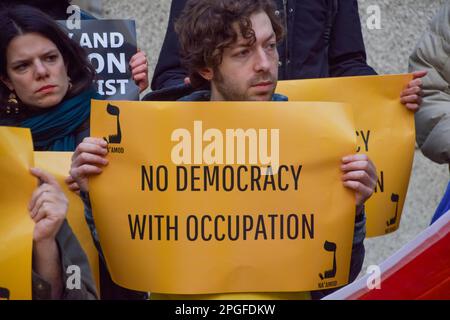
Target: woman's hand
{"points": [[88, 160], [48, 207]]}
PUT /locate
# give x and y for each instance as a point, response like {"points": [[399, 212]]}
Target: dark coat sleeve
{"points": [[71, 254], [169, 71], [357, 257], [347, 54], [109, 290]]}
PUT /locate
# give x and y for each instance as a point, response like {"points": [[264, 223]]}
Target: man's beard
{"points": [[230, 92]]}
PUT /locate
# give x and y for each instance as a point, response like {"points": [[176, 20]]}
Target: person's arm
{"points": [[47, 270], [357, 257], [347, 54], [358, 250], [433, 119], [64, 254], [55, 247], [88, 160], [48, 208], [361, 177], [169, 71], [73, 260]]}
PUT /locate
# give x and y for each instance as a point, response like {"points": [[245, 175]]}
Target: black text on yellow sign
{"points": [[206, 193]]}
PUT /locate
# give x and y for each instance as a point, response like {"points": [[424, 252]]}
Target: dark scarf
{"points": [[56, 129]]}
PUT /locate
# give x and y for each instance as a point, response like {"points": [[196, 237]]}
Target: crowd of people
{"points": [[224, 50]]}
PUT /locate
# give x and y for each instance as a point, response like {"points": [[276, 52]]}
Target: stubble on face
{"points": [[230, 90]]}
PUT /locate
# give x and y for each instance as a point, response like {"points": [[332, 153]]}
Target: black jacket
{"points": [[323, 39]]}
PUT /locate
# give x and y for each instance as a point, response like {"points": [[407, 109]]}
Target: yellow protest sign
{"points": [[188, 204], [384, 130], [58, 164], [16, 226]]}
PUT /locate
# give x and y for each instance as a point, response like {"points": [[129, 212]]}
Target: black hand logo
{"points": [[330, 247], [4, 294], [393, 220], [116, 138]]}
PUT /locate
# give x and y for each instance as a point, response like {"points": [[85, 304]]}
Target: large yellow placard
{"points": [[16, 225], [385, 132], [58, 165], [188, 204]]}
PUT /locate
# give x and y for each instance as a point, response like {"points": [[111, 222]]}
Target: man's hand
{"points": [[139, 70], [360, 175], [48, 207], [411, 96], [87, 161]]}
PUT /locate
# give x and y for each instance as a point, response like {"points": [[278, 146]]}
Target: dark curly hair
{"points": [[23, 19], [205, 29], [55, 9]]}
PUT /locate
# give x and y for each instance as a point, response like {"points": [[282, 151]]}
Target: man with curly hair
{"points": [[232, 45]]}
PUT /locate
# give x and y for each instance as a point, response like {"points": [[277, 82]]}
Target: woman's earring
{"points": [[12, 98], [13, 104]]}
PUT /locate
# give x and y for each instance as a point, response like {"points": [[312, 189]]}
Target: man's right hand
{"points": [[88, 160]]}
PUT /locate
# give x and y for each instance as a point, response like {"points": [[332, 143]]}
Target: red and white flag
{"points": [[419, 270]]}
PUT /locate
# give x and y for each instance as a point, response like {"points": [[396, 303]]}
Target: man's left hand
{"points": [[360, 175]]}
